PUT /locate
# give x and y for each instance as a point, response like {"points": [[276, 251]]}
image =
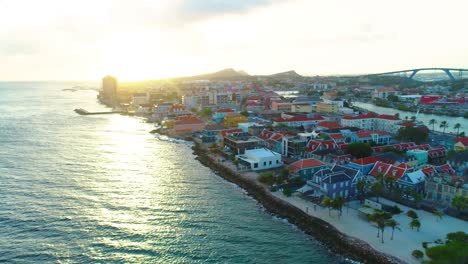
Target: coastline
{"points": [[332, 238]]}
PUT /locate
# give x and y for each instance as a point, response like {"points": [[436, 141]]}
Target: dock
{"points": [[81, 111]]}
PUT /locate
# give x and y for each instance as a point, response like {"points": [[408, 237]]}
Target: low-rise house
{"points": [[461, 144], [422, 156], [187, 124], [234, 120], [337, 181], [437, 155], [364, 165], [363, 136], [260, 159], [239, 142], [299, 121], [413, 180], [273, 140], [442, 188], [459, 163], [305, 168], [218, 115]]}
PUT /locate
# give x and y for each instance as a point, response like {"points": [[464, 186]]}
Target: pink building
{"points": [[188, 124]]}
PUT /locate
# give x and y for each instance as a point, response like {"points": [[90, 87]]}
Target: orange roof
{"points": [[379, 167], [463, 140], [389, 117], [184, 120], [366, 160], [337, 136], [329, 124], [304, 164], [299, 118], [224, 110]]}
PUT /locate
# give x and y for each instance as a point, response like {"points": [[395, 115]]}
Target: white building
{"points": [[260, 159]]}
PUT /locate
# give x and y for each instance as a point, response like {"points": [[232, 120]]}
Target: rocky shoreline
{"points": [[324, 232]]}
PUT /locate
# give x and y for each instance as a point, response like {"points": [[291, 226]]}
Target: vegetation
{"points": [[444, 125], [287, 192], [412, 134], [412, 214], [245, 113], [415, 223], [393, 224], [438, 214], [381, 219], [338, 204], [327, 202], [361, 187], [359, 150], [433, 122], [460, 202], [417, 254], [377, 189], [457, 126], [267, 178], [453, 251], [205, 112]]}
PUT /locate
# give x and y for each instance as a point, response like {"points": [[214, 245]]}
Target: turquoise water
{"points": [[101, 189]]}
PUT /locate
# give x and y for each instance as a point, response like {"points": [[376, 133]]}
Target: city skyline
{"points": [[136, 40]]}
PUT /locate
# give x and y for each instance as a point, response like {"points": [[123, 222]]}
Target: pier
{"points": [[81, 111]]}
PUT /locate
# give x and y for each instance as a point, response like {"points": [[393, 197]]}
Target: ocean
{"points": [[102, 189]]}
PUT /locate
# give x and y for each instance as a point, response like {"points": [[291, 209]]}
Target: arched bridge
{"points": [[413, 72]]}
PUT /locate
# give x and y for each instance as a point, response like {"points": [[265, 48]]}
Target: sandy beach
{"points": [[404, 241]]}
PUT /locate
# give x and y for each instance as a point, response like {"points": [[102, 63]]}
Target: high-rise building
{"points": [[109, 87]]}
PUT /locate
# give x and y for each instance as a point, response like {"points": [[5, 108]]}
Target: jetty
{"points": [[82, 111]]}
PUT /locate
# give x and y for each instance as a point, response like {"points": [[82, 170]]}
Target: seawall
{"points": [[335, 240]]}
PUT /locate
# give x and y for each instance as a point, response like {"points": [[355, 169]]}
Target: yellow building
{"points": [[327, 108], [234, 120]]}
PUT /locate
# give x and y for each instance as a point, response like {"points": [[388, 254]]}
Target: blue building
{"points": [[337, 181]]}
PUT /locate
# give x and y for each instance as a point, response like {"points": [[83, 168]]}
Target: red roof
{"points": [[251, 104], [337, 136], [379, 167], [366, 160], [408, 124], [381, 133], [363, 116], [224, 110], [386, 89], [428, 171], [463, 140], [388, 117], [304, 164], [404, 166], [363, 134], [185, 120], [437, 152], [299, 118], [226, 131], [329, 124], [421, 147]]}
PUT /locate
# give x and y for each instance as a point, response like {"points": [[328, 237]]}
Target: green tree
{"points": [[245, 113], [412, 214], [438, 214], [460, 202], [287, 192], [443, 125], [377, 189], [433, 122], [359, 149], [393, 224], [412, 134], [417, 197], [457, 126], [417, 254], [205, 112], [327, 202], [361, 186], [453, 251], [338, 204], [266, 178], [415, 223]]}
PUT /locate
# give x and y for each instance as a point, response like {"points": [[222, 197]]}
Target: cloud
{"points": [[210, 7]]}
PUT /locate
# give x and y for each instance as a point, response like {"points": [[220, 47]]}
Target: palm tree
{"points": [[327, 203], [457, 126], [443, 125], [415, 224], [389, 183], [397, 115], [394, 225], [432, 122], [338, 204], [438, 214], [361, 187]]}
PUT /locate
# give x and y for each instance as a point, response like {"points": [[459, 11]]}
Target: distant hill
{"points": [[228, 73], [287, 74]]}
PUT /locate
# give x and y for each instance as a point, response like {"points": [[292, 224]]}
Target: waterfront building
{"points": [[306, 168], [422, 156], [459, 162], [187, 124], [372, 121], [364, 165], [383, 93], [109, 87], [239, 142], [337, 181], [139, 99], [260, 159], [443, 187], [233, 120]]}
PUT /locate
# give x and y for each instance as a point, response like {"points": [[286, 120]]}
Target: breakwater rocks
{"points": [[322, 231]]}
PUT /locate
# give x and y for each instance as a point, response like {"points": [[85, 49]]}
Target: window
{"points": [[255, 165], [277, 161], [270, 162], [334, 186], [264, 163]]}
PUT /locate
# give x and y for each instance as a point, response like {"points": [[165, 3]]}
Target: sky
{"points": [[143, 39]]}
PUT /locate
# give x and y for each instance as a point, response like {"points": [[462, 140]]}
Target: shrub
{"points": [[394, 210], [412, 214], [287, 192], [417, 254], [266, 178], [424, 244]]}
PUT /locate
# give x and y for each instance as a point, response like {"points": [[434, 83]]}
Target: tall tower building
{"points": [[109, 87]]}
